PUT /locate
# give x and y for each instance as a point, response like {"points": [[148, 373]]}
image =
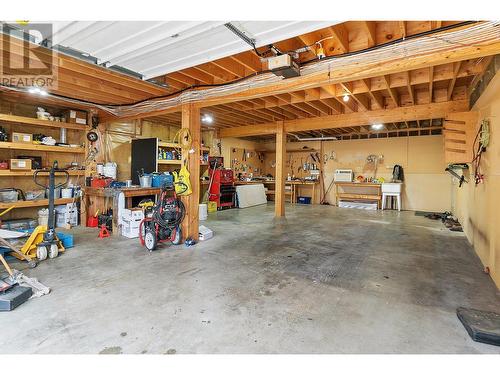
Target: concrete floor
{"points": [[326, 280]]}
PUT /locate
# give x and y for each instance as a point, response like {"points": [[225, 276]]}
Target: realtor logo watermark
{"points": [[24, 63]]}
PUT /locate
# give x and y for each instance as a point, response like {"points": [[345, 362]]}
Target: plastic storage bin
{"points": [[160, 179], [34, 195], [9, 196], [304, 200]]}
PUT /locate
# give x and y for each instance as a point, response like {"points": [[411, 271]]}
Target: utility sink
{"points": [[392, 187]]}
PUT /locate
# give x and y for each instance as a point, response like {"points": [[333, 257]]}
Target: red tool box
{"points": [[222, 189]]}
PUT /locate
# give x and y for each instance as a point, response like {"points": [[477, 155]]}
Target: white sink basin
{"points": [[391, 187]]}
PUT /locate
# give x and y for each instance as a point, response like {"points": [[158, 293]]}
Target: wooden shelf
{"points": [[168, 144], [170, 162], [288, 151], [37, 203], [34, 121], [359, 196], [45, 148], [8, 172], [176, 145]]}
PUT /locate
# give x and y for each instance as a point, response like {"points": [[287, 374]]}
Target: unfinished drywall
{"points": [[427, 187], [478, 206]]}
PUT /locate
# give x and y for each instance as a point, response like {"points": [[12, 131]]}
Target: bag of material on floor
{"points": [[251, 195], [181, 182]]}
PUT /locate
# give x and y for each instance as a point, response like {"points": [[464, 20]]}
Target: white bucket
{"points": [[110, 170], [145, 180], [67, 193], [43, 216], [203, 211], [100, 169]]}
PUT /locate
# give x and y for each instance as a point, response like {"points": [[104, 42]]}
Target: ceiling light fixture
{"points": [[346, 98], [377, 126], [207, 119]]}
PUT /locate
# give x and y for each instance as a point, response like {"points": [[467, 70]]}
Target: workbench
{"points": [[347, 190], [295, 186], [100, 199]]}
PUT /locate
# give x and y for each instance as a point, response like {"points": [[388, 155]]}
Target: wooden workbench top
{"points": [[127, 191], [363, 184]]}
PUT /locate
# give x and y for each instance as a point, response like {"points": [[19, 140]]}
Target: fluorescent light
{"points": [[377, 126], [207, 119], [346, 98]]}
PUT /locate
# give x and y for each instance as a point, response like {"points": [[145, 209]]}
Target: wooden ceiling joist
{"points": [[399, 114], [451, 86], [365, 70]]}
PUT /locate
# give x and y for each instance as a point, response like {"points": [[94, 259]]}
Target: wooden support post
{"points": [[191, 121], [279, 204]]}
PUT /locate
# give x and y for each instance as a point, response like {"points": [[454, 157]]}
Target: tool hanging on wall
{"points": [[92, 135], [481, 142], [461, 178]]}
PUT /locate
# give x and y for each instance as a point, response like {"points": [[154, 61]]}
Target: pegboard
{"points": [[294, 163], [246, 162]]}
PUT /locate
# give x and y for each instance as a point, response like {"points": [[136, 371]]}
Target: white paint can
{"points": [[203, 211]]}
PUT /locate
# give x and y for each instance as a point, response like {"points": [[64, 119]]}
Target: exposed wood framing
{"points": [[191, 121], [400, 114], [279, 204]]}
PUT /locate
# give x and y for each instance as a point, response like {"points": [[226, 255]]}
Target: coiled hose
{"points": [[170, 223]]}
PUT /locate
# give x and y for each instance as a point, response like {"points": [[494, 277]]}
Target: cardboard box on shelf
{"points": [[22, 137], [20, 164], [76, 117]]}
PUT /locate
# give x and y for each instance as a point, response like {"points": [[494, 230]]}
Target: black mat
{"points": [[423, 213], [482, 326]]}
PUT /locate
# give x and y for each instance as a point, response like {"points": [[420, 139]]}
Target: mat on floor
{"points": [[482, 326]]}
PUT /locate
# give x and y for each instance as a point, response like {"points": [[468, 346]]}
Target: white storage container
{"points": [[130, 229], [132, 214], [109, 170], [66, 214], [203, 211]]}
